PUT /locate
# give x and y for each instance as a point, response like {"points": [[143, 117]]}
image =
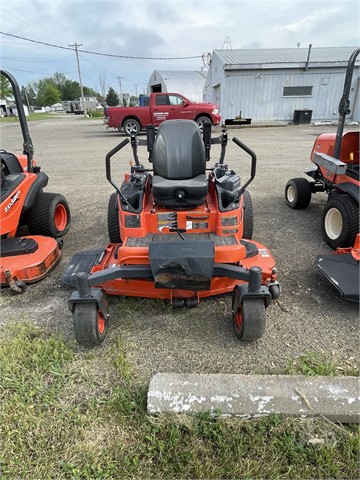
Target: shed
{"points": [[188, 83], [271, 84]]}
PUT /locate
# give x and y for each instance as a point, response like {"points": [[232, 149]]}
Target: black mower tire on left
{"points": [[89, 324], [298, 193], [340, 221], [248, 216], [249, 320], [49, 216], [113, 219]]}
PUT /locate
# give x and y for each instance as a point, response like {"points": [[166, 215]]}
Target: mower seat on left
{"points": [[179, 161]]}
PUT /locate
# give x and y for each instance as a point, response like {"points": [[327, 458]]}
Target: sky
{"points": [[162, 31]]}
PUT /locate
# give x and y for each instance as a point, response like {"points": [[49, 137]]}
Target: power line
{"points": [[34, 61], [98, 53], [34, 73]]}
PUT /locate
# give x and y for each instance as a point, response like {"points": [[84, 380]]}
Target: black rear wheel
{"points": [[49, 216], [340, 222], [248, 216], [298, 193], [113, 219], [89, 324]]}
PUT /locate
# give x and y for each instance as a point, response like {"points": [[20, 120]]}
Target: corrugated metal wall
{"points": [[258, 94]]}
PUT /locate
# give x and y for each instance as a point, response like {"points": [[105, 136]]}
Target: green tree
{"points": [[90, 92], [48, 93], [71, 90], [112, 98], [5, 88]]}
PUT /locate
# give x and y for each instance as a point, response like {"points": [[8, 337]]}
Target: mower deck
{"points": [[342, 270], [165, 266], [27, 259]]}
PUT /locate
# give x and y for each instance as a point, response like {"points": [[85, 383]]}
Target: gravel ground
{"points": [[309, 316]]}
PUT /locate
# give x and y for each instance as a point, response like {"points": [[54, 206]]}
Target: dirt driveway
{"points": [[309, 316]]}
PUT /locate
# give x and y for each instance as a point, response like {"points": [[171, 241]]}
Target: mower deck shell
{"points": [[342, 271], [31, 267], [93, 261]]}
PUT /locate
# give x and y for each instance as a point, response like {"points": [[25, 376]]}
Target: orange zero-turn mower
{"points": [[27, 259], [336, 172], [177, 233]]}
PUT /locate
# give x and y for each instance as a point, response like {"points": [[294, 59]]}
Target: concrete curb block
{"points": [[336, 398]]}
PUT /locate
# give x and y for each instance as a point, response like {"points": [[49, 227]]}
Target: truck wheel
{"points": [[131, 126], [248, 216], [201, 120], [340, 222], [49, 216], [113, 219], [298, 193]]}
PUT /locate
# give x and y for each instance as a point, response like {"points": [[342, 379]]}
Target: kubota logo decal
{"points": [[13, 200]]}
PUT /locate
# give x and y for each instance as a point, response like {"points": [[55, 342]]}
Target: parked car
{"points": [[162, 106]]}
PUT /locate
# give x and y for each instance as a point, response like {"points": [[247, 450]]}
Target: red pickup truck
{"points": [[162, 106]]}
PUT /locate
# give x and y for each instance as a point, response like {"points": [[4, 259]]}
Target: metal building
{"points": [[188, 83], [271, 84]]}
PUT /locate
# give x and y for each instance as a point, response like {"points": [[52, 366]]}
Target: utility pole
{"points": [[136, 89], [121, 95], [23, 90], [76, 45]]}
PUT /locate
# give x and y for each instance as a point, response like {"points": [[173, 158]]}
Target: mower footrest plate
{"points": [[81, 262], [186, 265], [11, 247], [342, 270]]}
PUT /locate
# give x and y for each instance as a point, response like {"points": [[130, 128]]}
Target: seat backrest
{"points": [[179, 150]]}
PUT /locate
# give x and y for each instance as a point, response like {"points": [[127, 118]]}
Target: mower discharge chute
{"points": [[177, 234], [336, 156], [27, 259]]}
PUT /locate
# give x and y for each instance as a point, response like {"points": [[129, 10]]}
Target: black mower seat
{"points": [[179, 160]]}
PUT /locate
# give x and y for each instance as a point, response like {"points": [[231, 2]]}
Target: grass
{"points": [[31, 117], [47, 116], [312, 363], [77, 414]]}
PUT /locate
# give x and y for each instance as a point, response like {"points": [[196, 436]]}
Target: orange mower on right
{"points": [[336, 172]]}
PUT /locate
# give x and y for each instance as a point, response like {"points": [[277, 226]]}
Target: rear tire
{"points": [[340, 222], [249, 320], [89, 324], [248, 216], [298, 193], [131, 126], [49, 216], [113, 219]]}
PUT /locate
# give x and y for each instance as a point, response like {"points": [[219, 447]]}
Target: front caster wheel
{"points": [[298, 193], [89, 324], [249, 319]]}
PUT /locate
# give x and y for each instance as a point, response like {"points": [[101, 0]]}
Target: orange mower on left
{"points": [[26, 207]]}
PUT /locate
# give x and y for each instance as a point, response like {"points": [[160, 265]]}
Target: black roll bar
{"points": [[252, 154], [28, 148]]}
